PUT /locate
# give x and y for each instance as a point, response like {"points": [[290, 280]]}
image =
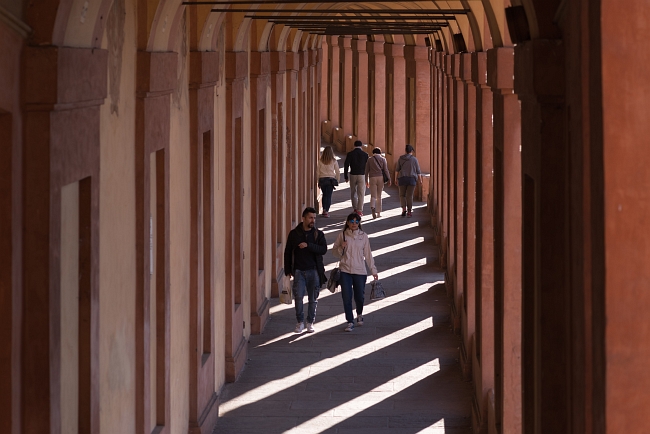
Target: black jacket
{"points": [[356, 160], [318, 249]]}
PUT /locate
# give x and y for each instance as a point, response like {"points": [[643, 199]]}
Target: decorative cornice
{"points": [[16, 24]]}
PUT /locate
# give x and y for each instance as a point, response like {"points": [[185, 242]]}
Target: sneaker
{"points": [[403, 213], [299, 327], [374, 213], [310, 327], [326, 214], [378, 215], [408, 214], [350, 327], [359, 320], [360, 213]]}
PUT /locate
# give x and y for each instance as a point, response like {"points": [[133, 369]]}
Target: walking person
{"points": [[352, 247], [303, 259], [329, 174], [407, 175], [376, 170], [356, 162]]}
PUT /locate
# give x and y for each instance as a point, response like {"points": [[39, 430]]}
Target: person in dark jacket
{"points": [[356, 161], [303, 260]]}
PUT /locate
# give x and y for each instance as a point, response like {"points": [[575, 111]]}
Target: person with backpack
{"points": [[407, 175]]}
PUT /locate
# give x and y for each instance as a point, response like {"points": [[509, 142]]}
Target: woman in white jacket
{"points": [[352, 247], [328, 177]]}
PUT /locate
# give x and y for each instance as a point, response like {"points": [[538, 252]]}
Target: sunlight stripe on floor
{"points": [[367, 400], [272, 387]]}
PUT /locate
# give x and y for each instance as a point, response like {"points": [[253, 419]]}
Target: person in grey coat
{"points": [[407, 175]]}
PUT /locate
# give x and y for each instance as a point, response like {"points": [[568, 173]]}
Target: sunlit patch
{"points": [[393, 230], [436, 428], [398, 246], [275, 386], [369, 399]]}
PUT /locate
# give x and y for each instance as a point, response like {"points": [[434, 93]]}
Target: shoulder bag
{"points": [[335, 274]]}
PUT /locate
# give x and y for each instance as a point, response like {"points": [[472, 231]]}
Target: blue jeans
{"points": [[308, 281], [352, 284], [327, 190]]}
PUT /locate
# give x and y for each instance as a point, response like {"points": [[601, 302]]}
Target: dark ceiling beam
{"points": [[343, 11], [257, 2], [340, 18], [373, 32]]}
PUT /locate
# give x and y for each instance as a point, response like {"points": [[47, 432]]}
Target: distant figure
{"points": [[352, 247], [407, 175], [356, 161], [376, 170], [328, 177], [303, 259]]}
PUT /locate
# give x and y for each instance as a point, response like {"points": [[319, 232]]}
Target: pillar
{"points": [[395, 102], [377, 95], [236, 75], [360, 95], [260, 188], [345, 92]]}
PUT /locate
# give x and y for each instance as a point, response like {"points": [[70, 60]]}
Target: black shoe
{"points": [[374, 214], [404, 213]]}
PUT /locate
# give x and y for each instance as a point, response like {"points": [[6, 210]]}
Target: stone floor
{"points": [[398, 373]]}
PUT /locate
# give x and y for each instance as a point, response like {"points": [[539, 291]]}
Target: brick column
{"points": [[507, 236], [345, 91], [377, 95], [396, 102], [236, 72], [334, 81], [64, 89], [260, 187], [204, 408], [278, 178], [360, 105]]}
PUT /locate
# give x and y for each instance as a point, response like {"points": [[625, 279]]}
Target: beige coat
{"points": [[357, 253], [329, 170]]}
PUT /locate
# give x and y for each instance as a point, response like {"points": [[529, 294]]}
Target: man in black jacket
{"points": [[303, 259], [356, 161]]}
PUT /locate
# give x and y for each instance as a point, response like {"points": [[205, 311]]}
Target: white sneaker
{"points": [[350, 327], [299, 327], [310, 327], [359, 320]]}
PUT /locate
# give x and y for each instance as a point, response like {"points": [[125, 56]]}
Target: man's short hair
{"points": [[309, 210], [409, 148], [376, 151], [358, 143]]}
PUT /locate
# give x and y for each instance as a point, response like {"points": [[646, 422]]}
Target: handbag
{"points": [[377, 290], [334, 182], [335, 275], [286, 294], [383, 174]]}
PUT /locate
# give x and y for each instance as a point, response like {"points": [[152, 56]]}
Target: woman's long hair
{"points": [[353, 216], [327, 156]]}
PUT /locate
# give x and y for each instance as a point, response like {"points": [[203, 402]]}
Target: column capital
{"points": [[359, 45], [479, 68], [417, 53], [260, 64], [500, 67], [456, 70], [394, 50], [236, 64], [293, 61], [375, 47], [345, 42], [278, 60], [539, 68]]}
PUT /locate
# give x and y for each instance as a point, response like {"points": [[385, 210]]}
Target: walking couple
{"points": [[303, 260]]}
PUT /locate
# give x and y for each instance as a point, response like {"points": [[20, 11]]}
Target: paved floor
{"points": [[398, 373]]}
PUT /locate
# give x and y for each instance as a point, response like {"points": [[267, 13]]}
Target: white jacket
{"points": [[331, 170], [357, 254]]}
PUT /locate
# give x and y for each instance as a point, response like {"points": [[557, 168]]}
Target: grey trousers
{"points": [[357, 191]]}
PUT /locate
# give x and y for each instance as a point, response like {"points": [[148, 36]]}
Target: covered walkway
{"points": [[397, 374]]}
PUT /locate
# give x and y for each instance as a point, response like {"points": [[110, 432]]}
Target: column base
{"points": [[259, 318], [208, 418], [235, 364]]}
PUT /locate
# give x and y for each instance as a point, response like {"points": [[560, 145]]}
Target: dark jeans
{"points": [[306, 281], [327, 190], [352, 284]]}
